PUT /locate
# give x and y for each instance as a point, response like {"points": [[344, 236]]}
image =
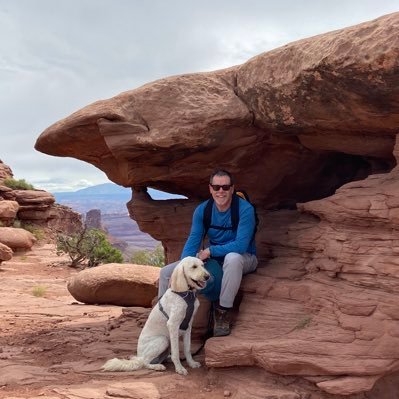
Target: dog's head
{"points": [[188, 274]]}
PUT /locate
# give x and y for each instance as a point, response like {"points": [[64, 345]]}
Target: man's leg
{"points": [[234, 267], [164, 277]]}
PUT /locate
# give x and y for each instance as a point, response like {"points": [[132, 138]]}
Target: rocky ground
{"points": [[53, 347]]}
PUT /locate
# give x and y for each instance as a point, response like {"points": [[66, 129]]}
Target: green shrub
{"points": [[303, 323], [36, 231], [39, 291], [18, 184], [147, 257], [89, 247], [17, 224]]}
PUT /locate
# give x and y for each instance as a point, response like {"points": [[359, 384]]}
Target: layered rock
{"points": [[326, 303], [63, 219], [33, 209], [5, 171], [8, 211], [293, 125]]}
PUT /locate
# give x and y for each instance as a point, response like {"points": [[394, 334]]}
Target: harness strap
{"points": [[189, 297], [162, 309]]}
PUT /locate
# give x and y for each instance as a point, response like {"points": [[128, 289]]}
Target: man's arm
{"points": [[194, 240], [245, 231]]}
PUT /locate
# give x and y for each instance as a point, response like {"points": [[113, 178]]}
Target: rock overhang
{"points": [[270, 121]]}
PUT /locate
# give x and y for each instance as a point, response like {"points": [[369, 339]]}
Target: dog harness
{"points": [[189, 297]]}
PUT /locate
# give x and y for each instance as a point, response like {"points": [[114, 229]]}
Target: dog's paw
{"points": [[157, 367], [194, 365], [181, 370]]}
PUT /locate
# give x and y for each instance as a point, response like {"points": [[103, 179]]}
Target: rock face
{"points": [[8, 211], [309, 130], [115, 284], [93, 219], [33, 209], [5, 171]]}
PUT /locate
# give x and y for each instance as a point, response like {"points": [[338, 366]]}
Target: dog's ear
{"points": [[178, 282]]}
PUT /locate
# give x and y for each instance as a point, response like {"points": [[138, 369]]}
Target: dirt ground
{"points": [[53, 347]]}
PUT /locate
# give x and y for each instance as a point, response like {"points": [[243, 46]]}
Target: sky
{"points": [[57, 56]]}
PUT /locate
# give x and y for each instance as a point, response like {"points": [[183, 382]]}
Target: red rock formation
{"points": [[33, 208], [327, 301], [5, 171], [293, 125], [8, 211], [93, 219]]}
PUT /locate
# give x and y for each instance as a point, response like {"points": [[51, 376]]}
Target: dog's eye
{"points": [[194, 266]]}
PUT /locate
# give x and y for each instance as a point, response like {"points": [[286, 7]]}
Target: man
{"points": [[233, 248]]}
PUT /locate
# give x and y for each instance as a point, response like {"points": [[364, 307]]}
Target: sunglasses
{"points": [[224, 187]]}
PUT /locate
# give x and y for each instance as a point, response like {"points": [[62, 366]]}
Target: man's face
{"points": [[221, 197]]}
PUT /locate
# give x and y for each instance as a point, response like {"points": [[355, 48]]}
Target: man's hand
{"points": [[204, 254]]}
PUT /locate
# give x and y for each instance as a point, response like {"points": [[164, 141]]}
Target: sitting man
{"points": [[233, 247]]}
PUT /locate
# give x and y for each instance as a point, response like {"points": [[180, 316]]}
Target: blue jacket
{"points": [[222, 242]]}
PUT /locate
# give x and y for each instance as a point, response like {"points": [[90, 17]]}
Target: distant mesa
{"points": [[105, 206], [108, 197]]}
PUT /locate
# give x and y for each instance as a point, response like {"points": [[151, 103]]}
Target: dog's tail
{"points": [[116, 364]]}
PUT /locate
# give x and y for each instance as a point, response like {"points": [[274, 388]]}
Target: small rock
{"points": [[226, 394]]}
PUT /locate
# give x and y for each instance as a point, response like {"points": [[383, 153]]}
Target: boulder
{"points": [[5, 252], [116, 284], [16, 238], [8, 210]]}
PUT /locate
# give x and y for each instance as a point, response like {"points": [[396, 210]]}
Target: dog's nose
{"points": [[207, 277]]}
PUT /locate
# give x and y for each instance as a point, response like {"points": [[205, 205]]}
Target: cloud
{"points": [[58, 56], [62, 184]]}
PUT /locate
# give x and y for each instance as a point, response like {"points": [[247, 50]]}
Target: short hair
{"points": [[221, 172]]}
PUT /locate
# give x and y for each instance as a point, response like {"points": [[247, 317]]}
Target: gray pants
{"points": [[234, 267]]}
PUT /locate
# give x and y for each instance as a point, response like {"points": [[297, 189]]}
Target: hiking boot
{"points": [[222, 318]]}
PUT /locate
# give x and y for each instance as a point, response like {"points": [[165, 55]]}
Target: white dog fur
{"points": [[160, 335]]}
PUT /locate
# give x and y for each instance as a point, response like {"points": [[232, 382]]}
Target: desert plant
{"points": [[17, 224], [21, 184], [88, 247], [303, 323], [36, 231], [147, 257], [39, 291]]}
